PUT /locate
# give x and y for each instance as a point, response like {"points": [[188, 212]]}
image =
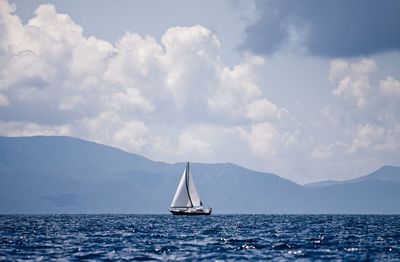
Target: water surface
{"points": [[215, 237]]}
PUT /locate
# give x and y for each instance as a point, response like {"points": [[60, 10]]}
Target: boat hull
{"points": [[191, 212], [182, 213]]}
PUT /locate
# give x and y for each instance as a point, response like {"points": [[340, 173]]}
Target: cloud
{"points": [[189, 144], [322, 152], [262, 109], [196, 40], [16, 128], [367, 136], [138, 94], [3, 100], [130, 100], [359, 86], [262, 139], [390, 86], [70, 103], [371, 137], [325, 28], [192, 66], [110, 128], [237, 89], [372, 131], [352, 80]]}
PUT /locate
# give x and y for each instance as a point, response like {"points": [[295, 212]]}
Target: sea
{"points": [[200, 238]]}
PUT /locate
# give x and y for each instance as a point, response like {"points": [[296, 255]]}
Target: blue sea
{"points": [[215, 237]]}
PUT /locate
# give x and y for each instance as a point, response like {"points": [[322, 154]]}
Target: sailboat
{"points": [[186, 200]]}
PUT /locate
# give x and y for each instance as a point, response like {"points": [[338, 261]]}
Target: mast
{"points": [[187, 183]]}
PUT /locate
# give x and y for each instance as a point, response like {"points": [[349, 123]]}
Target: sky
{"points": [[308, 90]]}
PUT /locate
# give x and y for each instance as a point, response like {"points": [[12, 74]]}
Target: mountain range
{"points": [[68, 175]]}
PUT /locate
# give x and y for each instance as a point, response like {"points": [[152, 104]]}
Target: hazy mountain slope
{"points": [[54, 154], [386, 173], [378, 192], [363, 197], [69, 175], [233, 189], [63, 174]]}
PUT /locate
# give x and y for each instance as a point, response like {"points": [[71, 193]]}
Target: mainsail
{"points": [[186, 195]]}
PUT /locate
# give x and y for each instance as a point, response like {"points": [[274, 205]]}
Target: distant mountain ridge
{"points": [[385, 173], [70, 175]]}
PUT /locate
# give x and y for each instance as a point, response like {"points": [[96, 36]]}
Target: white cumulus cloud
{"points": [[376, 138], [352, 80], [262, 109], [262, 139], [390, 86], [138, 94]]}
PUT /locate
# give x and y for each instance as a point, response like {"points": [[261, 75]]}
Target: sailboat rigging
{"points": [[187, 200]]}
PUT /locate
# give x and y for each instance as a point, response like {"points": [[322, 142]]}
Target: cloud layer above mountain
{"points": [[175, 98], [56, 80]]}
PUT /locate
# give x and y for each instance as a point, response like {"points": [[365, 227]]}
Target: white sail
{"points": [[181, 198], [194, 196], [186, 194]]}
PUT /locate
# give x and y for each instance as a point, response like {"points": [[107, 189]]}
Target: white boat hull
{"points": [[191, 211]]}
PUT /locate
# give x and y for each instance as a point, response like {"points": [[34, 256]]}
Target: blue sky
{"points": [[308, 90]]}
